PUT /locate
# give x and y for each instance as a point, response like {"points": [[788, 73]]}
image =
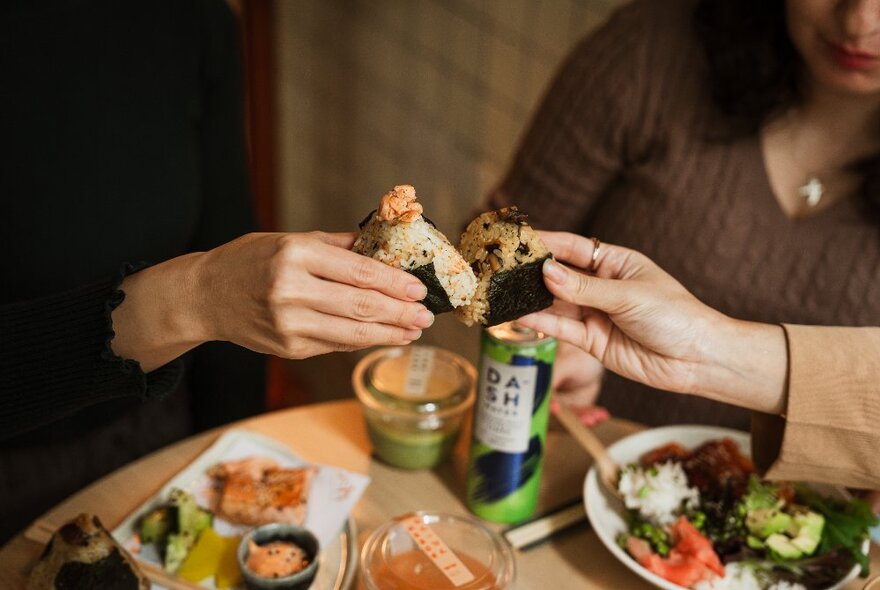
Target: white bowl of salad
{"points": [[696, 516]]}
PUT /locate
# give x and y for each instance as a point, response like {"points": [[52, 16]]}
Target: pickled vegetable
{"points": [[228, 572], [204, 558]]}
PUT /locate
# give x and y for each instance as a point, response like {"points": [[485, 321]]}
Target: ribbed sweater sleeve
{"points": [[55, 357], [829, 430], [587, 128]]}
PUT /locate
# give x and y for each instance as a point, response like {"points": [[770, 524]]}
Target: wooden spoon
{"points": [[609, 471]]}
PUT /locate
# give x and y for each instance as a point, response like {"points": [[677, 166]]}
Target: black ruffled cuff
{"points": [[156, 384], [56, 357]]}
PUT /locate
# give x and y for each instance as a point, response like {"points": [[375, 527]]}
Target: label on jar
{"points": [[437, 551], [418, 371], [504, 405]]}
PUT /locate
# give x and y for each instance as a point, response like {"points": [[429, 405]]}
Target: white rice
{"points": [[742, 577], [736, 577], [409, 245], [658, 493]]}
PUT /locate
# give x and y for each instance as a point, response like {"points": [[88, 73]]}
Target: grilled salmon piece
{"points": [[253, 467], [255, 496]]}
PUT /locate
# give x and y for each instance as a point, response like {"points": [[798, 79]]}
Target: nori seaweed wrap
{"points": [[506, 254]]}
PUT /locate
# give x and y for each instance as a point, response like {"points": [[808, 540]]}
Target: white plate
{"points": [[607, 515], [337, 561]]}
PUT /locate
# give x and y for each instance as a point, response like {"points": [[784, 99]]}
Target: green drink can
{"points": [[510, 423]]}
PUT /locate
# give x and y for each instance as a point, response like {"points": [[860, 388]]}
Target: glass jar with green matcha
{"points": [[414, 399]]}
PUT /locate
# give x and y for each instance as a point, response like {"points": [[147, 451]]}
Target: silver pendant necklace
{"points": [[812, 191]]}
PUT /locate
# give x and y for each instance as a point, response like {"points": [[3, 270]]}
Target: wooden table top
{"points": [[334, 433]]}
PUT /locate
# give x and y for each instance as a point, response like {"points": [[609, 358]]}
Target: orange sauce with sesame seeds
{"points": [[413, 570], [277, 559]]}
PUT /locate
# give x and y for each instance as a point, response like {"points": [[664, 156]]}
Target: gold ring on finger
{"points": [[597, 244]]}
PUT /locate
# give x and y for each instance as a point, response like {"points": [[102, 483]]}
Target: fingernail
{"points": [[416, 291], [554, 271], [589, 420], [424, 319], [595, 415], [412, 335]]}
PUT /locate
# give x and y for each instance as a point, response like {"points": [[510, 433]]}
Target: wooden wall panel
{"points": [[259, 78]]}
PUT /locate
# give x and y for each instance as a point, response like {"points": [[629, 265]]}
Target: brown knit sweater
{"points": [[624, 147]]}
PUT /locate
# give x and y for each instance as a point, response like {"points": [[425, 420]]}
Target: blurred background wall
{"points": [[434, 93]]}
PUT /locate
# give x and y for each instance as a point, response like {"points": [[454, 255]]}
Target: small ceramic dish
{"points": [[280, 532]]}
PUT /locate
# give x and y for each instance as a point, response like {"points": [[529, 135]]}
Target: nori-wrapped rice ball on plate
{"points": [[507, 255], [398, 235], [83, 555]]}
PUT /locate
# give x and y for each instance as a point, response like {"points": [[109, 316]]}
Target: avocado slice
{"points": [[176, 550], [810, 525], [191, 521], [190, 518], [156, 525], [767, 521], [783, 547], [754, 542]]}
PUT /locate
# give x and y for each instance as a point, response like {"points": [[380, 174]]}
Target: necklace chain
{"points": [[813, 189]]}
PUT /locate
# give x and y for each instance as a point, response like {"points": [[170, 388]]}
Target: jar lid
{"points": [[516, 334], [437, 551], [414, 379]]}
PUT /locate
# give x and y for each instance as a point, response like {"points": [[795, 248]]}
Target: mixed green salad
{"points": [[703, 519]]}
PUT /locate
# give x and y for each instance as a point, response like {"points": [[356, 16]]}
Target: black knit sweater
{"points": [[120, 145]]}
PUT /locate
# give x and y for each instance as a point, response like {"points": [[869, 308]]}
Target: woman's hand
{"points": [[292, 295], [577, 381], [642, 324]]}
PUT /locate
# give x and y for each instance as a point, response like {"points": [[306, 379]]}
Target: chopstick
{"points": [[536, 531], [609, 471], [41, 531]]}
